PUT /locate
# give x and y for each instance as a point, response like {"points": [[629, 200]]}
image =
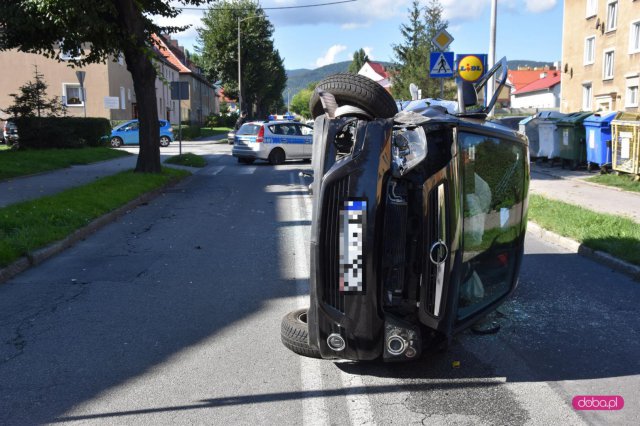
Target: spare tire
{"points": [[356, 90], [294, 333]]}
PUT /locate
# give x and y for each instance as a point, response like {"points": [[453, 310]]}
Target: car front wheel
{"points": [[164, 141], [116, 142]]}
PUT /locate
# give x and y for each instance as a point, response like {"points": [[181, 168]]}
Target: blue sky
{"points": [[311, 37]]}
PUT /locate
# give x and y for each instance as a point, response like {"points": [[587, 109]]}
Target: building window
{"points": [[586, 97], [589, 50], [121, 59], [71, 94], [634, 37], [592, 8], [631, 98], [123, 100], [612, 15], [607, 70]]}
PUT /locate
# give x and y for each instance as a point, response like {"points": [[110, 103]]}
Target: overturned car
{"points": [[418, 220]]}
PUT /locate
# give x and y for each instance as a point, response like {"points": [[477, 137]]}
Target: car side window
{"points": [[297, 130], [276, 130], [307, 130]]}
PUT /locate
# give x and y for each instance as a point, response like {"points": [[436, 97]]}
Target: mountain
{"points": [[513, 65]]}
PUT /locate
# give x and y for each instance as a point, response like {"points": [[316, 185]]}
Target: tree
{"points": [[263, 74], [412, 55], [359, 59], [94, 33], [433, 24], [32, 100]]}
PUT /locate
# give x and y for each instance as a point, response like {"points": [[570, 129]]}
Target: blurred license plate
{"points": [[351, 244]]}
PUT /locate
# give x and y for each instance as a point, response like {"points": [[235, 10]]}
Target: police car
{"points": [[274, 141]]}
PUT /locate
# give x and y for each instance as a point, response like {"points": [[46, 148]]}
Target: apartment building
{"points": [[601, 55]]}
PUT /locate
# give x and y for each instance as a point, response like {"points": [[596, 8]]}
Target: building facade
{"points": [[601, 55]]}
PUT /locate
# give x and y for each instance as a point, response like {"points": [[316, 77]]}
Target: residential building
{"points": [[203, 98], [542, 93], [376, 72], [601, 55]]}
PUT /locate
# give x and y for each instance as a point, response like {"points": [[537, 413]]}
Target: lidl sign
{"points": [[471, 67]]}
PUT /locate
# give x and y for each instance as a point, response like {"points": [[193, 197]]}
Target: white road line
{"points": [[358, 403], [314, 409], [215, 170], [245, 170]]}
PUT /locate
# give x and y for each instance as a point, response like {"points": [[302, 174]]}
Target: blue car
{"points": [[129, 134]]}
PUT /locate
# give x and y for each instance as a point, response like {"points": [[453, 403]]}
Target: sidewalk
{"points": [[570, 187]]}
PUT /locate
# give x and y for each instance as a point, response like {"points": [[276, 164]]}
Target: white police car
{"points": [[274, 141]]}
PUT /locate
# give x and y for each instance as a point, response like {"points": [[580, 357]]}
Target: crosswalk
{"points": [[244, 170]]}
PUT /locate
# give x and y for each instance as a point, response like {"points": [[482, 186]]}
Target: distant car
{"points": [[231, 136], [129, 134], [9, 132], [274, 141]]}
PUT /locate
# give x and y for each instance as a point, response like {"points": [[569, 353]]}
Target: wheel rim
{"points": [[115, 142], [164, 141]]}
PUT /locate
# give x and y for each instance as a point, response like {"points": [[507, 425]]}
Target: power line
{"points": [[303, 6]]}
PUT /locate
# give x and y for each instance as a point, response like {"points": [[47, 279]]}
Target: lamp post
{"points": [[492, 51], [240, 66]]}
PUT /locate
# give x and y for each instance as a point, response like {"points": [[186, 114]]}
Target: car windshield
{"points": [[249, 129]]}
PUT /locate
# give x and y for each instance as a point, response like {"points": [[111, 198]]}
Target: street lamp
{"points": [[239, 66], [492, 51]]}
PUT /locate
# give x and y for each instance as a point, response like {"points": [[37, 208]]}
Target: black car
{"points": [[418, 222]]}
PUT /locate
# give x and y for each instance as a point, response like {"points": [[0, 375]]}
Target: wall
{"points": [[541, 99]]}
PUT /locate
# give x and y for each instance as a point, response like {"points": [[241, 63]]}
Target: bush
{"points": [[222, 120], [62, 132], [188, 132]]}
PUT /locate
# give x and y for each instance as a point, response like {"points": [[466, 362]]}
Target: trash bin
{"points": [[626, 143], [549, 140], [598, 133], [572, 139], [529, 128]]}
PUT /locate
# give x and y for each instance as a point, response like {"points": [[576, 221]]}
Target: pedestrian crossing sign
{"points": [[441, 64]]}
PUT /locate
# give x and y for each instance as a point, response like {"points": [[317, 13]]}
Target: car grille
{"points": [[334, 196]]}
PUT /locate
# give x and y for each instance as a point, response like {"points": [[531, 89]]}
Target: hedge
{"points": [[62, 132], [188, 132]]}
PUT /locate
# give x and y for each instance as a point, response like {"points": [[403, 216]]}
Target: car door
{"points": [[307, 134], [131, 134]]}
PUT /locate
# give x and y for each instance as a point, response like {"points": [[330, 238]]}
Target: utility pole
{"points": [[492, 51]]}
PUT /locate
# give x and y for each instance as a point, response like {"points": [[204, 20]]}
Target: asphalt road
{"points": [[171, 315]]}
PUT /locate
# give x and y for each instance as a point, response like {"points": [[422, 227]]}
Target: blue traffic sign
{"points": [[441, 64]]}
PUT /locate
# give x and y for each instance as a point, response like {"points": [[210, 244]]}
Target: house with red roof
{"points": [[376, 72], [203, 97], [536, 93]]}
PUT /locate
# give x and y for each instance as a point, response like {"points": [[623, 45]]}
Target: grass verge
{"points": [[28, 226], [188, 159], [15, 163], [625, 182], [213, 131], [611, 234]]}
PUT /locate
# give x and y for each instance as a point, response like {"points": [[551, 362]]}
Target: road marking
{"points": [[215, 170], [314, 408], [246, 170], [358, 403]]}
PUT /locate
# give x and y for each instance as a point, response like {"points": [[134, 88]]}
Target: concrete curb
{"points": [[572, 246], [40, 255]]}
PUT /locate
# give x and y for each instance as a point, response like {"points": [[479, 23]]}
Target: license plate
{"points": [[351, 241]]}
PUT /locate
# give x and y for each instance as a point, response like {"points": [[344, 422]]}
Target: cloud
{"points": [[330, 56], [368, 51], [537, 6]]}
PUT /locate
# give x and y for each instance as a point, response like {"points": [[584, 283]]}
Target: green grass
{"points": [[612, 234], [28, 226], [213, 131], [188, 159], [625, 182], [4, 147], [15, 163]]}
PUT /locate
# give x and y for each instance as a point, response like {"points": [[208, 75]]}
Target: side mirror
{"points": [[468, 94]]}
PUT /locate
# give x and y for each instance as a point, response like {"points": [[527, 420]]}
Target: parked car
{"points": [[231, 136], [9, 132], [418, 221], [128, 133], [274, 141]]}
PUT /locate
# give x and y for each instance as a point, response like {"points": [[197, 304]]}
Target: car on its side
{"points": [[128, 133], [274, 141]]}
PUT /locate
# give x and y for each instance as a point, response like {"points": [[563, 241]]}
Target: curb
{"points": [[572, 246], [40, 255]]}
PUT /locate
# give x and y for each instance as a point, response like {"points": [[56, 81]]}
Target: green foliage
{"points": [[359, 59], [625, 182], [28, 226], [222, 120], [300, 102], [188, 132], [24, 162], [263, 75], [32, 100], [189, 159], [61, 132]]}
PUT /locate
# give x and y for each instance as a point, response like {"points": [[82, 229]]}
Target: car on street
{"points": [[274, 141], [231, 136], [9, 132], [418, 221], [128, 133]]}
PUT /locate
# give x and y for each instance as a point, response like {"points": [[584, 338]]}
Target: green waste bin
{"points": [[571, 132], [625, 138]]}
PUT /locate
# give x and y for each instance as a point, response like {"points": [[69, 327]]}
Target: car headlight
{"points": [[408, 150]]}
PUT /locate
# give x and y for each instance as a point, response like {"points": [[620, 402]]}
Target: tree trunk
{"points": [[143, 74]]}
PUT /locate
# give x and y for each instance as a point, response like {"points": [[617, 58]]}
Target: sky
{"points": [[316, 36]]}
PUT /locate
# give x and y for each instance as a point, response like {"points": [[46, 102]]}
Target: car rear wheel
{"points": [[116, 142], [294, 333], [356, 90], [277, 156], [164, 141]]}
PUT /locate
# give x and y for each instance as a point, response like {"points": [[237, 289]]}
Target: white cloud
{"points": [[368, 51], [537, 6], [330, 56], [355, 25]]}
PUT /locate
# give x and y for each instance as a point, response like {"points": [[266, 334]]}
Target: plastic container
{"points": [[529, 128], [549, 139], [625, 131], [572, 138], [598, 133]]}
